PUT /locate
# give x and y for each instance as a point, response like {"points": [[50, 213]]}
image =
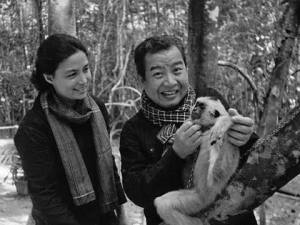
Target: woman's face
{"points": [[72, 77]]}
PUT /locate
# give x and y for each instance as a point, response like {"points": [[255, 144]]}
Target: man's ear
{"points": [[141, 81], [48, 78]]}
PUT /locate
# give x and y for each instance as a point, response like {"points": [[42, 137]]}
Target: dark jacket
{"points": [[147, 174], [47, 183]]}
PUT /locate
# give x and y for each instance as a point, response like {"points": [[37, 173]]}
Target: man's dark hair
{"points": [[52, 51], [153, 45]]}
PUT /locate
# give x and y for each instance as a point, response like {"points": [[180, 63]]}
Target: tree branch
{"points": [[272, 163], [295, 72], [241, 72]]}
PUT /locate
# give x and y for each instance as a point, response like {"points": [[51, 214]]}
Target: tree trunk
{"points": [[297, 74], [202, 42], [38, 14], [7, 109], [273, 102], [279, 75], [157, 15], [23, 9], [61, 17]]}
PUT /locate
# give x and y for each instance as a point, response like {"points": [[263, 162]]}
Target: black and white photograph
{"points": [[149, 112]]}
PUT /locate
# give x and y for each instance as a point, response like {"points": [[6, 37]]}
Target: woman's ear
{"points": [[48, 78]]}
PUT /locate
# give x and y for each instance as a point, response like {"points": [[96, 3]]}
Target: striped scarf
{"points": [[58, 114], [168, 119]]}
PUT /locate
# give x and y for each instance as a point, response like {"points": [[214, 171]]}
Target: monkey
{"points": [[215, 164]]}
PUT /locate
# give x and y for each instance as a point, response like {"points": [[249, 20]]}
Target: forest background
{"points": [[251, 46], [248, 41]]}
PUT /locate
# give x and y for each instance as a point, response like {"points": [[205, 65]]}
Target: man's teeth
{"points": [[169, 92]]}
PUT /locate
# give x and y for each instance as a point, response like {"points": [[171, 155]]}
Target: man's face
{"points": [[166, 78]]}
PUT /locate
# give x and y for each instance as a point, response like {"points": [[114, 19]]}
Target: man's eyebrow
{"points": [[178, 63], [155, 67]]}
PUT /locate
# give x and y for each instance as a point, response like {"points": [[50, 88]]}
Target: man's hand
{"points": [[121, 214], [241, 130], [187, 138]]}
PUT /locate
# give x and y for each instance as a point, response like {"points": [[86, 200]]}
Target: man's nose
{"points": [[170, 79]]}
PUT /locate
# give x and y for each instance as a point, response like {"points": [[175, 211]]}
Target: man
{"points": [[155, 142]]}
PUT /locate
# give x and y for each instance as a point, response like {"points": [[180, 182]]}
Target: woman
{"points": [[63, 142]]}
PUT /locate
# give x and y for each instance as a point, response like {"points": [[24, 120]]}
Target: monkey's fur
{"points": [[215, 164]]}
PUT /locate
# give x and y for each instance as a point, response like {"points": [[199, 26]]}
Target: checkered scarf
{"points": [[59, 114], [168, 118]]}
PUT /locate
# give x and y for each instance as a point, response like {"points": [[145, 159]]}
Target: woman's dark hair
{"points": [[52, 51], [153, 45]]}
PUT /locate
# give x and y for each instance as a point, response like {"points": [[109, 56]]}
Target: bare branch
{"points": [[295, 72], [241, 72]]}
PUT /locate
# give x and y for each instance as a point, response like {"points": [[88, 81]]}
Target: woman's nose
{"points": [[83, 78]]}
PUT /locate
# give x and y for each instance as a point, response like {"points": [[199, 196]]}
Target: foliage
{"points": [[110, 29], [16, 95], [248, 38]]}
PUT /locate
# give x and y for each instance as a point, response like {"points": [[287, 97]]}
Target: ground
{"points": [[14, 209]]}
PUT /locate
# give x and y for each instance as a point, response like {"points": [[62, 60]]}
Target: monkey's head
{"points": [[206, 111]]}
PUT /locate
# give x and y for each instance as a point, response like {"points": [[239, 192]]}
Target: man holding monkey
{"points": [[155, 141]]}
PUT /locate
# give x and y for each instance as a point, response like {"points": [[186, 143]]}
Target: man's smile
{"points": [[170, 93]]}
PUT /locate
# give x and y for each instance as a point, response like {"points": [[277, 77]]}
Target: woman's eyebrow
{"points": [[70, 70]]}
